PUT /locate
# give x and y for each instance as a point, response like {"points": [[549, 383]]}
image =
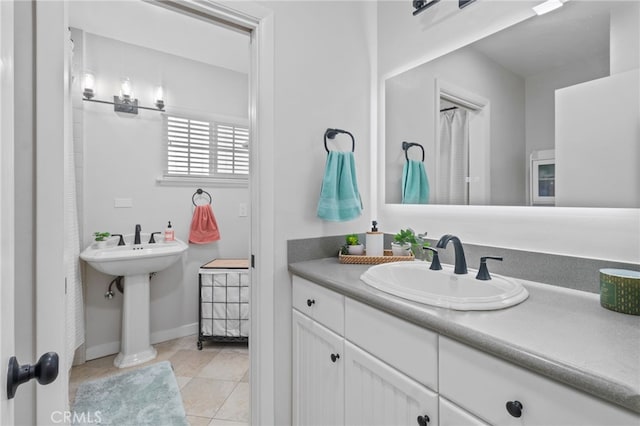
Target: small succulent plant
{"points": [[101, 236]]}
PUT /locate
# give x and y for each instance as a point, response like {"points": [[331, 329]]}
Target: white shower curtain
{"points": [[74, 304], [453, 158]]}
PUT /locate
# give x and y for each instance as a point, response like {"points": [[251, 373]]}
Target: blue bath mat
{"points": [[146, 396]]}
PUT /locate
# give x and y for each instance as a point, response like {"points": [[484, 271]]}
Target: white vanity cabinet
{"points": [[336, 381], [485, 385], [392, 372]]}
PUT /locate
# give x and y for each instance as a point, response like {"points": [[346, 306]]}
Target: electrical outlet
{"points": [[242, 210]]}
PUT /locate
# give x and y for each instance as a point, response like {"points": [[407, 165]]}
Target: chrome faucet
{"points": [[136, 239], [461, 263]]}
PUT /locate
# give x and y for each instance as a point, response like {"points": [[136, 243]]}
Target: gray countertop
{"points": [[560, 333]]}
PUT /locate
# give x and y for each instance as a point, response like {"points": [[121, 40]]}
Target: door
{"points": [[377, 394], [318, 373], [7, 343]]}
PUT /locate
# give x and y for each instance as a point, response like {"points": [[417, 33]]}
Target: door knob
{"points": [[310, 302], [423, 420], [515, 408], [335, 357], [45, 371]]}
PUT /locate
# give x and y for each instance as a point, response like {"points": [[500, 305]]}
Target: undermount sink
{"points": [[416, 282], [133, 259]]}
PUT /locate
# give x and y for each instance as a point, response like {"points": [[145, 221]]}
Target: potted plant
{"points": [[353, 245], [101, 238], [402, 242]]}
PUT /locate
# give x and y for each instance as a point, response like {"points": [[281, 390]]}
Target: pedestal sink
{"points": [[135, 262], [416, 282]]}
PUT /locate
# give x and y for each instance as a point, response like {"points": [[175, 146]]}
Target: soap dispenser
{"points": [[169, 233], [375, 241]]}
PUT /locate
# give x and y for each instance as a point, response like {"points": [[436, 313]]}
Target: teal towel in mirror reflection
{"points": [[415, 185], [339, 196]]}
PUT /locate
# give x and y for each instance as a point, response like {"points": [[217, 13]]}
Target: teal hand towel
{"points": [[339, 196], [415, 185]]}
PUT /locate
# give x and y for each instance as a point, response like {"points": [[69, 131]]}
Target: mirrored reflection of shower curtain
{"points": [[74, 305], [453, 158]]}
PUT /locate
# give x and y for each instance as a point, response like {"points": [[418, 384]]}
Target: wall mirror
{"points": [[541, 113]]}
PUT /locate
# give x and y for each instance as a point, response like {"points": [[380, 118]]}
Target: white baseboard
{"points": [[103, 349], [174, 333], [110, 348]]}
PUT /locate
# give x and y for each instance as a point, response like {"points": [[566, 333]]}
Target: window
{"points": [[206, 149]]}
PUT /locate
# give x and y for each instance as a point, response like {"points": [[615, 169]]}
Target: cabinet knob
{"points": [[310, 302], [423, 420], [514, 408], [335, 357]]}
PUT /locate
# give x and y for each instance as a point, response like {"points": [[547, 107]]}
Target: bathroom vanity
{"points": [[361, 356]]}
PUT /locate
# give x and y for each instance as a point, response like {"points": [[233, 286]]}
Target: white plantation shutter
{"points": [[232, 149], [207, 149]]}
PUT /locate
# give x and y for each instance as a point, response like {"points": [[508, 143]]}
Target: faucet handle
{"points": [[152, 240], [435, 262], [483, 271], [121, 241]]}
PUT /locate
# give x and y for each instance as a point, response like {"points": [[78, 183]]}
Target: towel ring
{"points": [[407, 145], [200, 192], [331, 134]]}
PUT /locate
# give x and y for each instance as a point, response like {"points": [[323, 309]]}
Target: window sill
{"points": [[204, 181]]}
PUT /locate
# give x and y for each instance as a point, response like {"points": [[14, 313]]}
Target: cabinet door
{"points": [[377, 394], [318, 374]]}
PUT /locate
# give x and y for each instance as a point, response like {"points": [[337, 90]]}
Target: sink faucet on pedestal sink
{"points": [[461, 263]]}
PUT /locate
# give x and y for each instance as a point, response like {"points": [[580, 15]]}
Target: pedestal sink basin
{"points": [[416, 282], [135, 262]]}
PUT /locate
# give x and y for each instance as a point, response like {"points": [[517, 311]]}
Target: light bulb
{"points": [[159, 101], [126, 92], [89, 85]]}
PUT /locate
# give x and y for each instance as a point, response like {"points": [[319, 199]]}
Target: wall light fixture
{"points": [[547, 7], [125, 101], [422, 5]]}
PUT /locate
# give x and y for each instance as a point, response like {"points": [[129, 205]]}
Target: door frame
{"points": [[50, 129], [260, 21], [479, 108], [7, 212], [50, 96]]}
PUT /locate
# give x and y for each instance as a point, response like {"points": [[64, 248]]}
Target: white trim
{"points": [[174, 333], [110, 348], [52, 80], [7, 213], [190, 181], [102, 350]]}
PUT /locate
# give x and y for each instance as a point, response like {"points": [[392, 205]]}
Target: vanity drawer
{"points": [[452, 415], [411, 349], [319, 303], [483, 385]]}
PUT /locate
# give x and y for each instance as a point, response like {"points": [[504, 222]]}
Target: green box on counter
{"points": [[620, 290]]}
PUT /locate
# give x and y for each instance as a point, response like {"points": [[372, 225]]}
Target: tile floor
{"points": [[214, 382]]}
